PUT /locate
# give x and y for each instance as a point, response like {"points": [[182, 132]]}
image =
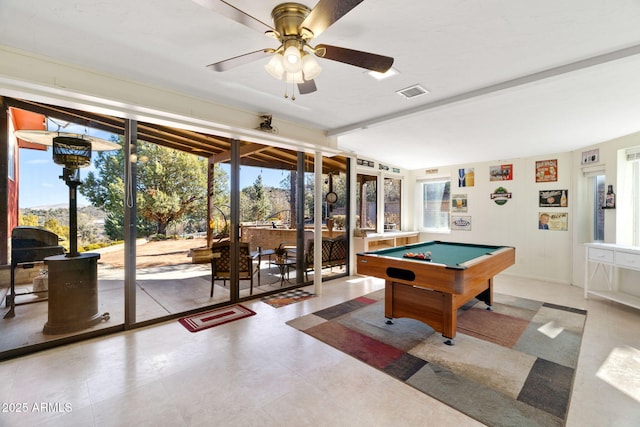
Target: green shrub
{"points": [[98, 245]]}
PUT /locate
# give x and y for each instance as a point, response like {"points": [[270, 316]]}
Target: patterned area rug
{"points": [[513, 366], [209, 319], [288, 297]]}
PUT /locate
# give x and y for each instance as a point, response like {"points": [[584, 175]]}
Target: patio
{"points": [[160, 291]]}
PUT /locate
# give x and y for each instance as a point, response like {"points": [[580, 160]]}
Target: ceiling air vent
{"points": [[412, 91]]}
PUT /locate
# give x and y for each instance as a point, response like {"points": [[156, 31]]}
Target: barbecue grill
{"points": [[29, 246]]}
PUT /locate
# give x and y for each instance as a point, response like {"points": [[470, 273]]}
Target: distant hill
{"points": [[49, 207], [60, 212], [90, 221]]}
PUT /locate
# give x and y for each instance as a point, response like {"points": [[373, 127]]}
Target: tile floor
{"points": [[260, 372]]}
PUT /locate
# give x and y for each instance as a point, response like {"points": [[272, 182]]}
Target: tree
{"points": [[171, 186], [54, 226], [105, 189], [257, 205], [30, 220], [86, 229]]}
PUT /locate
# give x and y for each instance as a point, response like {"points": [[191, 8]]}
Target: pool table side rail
{"points": [[436, 242], [413, 246], [500, 250], [437, 276]]}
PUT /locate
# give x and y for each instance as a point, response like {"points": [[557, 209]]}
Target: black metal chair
{"points": [[334, 253], [221, 264]]}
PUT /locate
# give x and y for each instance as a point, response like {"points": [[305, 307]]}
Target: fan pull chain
{"points": [[293, 90]]}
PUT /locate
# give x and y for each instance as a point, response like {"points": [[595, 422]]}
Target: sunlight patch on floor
{"points": [[622, 371], [550, 329]]}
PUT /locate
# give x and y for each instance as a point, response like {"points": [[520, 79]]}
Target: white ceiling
{"points": [[507, 78]]}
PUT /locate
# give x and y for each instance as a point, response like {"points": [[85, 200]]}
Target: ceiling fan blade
{"points": [[370, 61], [230, 11], [236, 61], [326, 13], [308, 86]]}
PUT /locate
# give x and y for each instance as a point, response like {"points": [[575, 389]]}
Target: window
{"points": [[633, 156], [392, 203], [436, 203], [12, 153], [598, 203], [596, 192], [367, 202]]}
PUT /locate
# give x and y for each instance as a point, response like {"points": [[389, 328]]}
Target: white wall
{"points": [[542, 254], [619, 221], [556, 256]]}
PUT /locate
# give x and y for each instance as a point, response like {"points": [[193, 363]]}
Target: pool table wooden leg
{"points": [[449, 318], [486, 296], [388, 296], [436, 309]]}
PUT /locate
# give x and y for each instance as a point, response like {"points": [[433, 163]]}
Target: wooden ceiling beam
{"points": [[168, 139], [192, 142], [97, 121], [278, 156], [245, 150], [219, 143]]}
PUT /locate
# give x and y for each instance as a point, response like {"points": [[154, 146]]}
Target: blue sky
{"points": [[40, 184]]}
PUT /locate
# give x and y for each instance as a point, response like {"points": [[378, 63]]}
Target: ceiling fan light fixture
{"points": [[292, 60], [310, 67], [275, 66], [294, 27], [294, 77]]}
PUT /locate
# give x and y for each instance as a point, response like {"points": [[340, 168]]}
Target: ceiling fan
{"points": [[294, 26]]}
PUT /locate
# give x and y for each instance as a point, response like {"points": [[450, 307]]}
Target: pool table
{"points": [[433, 290]]}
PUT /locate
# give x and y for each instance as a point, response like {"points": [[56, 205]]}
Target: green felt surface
{"points": [[447, 253]]}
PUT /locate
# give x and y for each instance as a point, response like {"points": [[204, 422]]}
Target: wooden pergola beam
{"points": [[245, 150]]}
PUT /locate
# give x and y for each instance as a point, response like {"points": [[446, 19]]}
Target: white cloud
{"points": [[38, 162]]}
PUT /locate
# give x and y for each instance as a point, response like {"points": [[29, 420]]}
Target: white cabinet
{"points": [[608, 257]]}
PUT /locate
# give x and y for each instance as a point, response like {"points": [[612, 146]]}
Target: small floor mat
{"points": [[288, 297], [220, 316]]}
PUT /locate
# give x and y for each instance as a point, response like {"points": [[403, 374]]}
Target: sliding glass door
{"points": [[180, 221]]}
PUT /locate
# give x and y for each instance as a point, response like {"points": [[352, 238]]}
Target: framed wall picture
{"points": [[547, 171], [459, 203], [554, 198], [501, 173], [556, 221], [591, 156], [466, 177], [461, 223], [500, 196]]}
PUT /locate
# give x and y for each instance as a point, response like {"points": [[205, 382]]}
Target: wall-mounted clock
{"points": [[331, 197]]}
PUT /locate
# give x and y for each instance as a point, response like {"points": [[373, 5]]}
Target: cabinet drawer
{"points": [[628, 260], [601, 255]]}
